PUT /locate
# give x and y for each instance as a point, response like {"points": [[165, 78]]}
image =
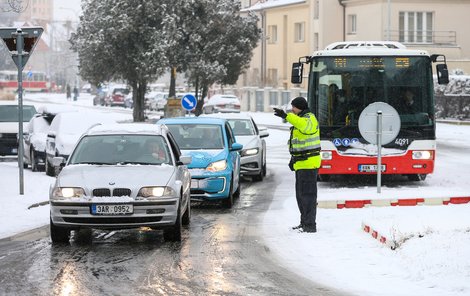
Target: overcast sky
{"points": [[67, 10]]}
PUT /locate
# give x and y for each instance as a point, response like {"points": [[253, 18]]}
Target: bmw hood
{"points": [[114, 176], [202, 158]]}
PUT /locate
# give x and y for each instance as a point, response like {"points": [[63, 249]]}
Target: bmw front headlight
{"points": [[156, 192], [217, 166], [67, 192], [248, 152]]}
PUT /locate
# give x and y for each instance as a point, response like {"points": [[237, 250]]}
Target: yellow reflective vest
{"points": [[304, 141]]}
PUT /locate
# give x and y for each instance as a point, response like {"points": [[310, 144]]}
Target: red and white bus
{"points": [[33, 81], [348, 76]]}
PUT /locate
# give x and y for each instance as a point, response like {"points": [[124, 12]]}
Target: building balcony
{"points": [[424, 38]]}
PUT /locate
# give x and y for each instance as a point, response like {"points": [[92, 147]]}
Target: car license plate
{"points": [[194, 184], [229, 106], [112, 209], [369, 168]]}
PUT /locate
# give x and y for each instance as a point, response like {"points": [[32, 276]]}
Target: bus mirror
{"points": [[442, 74], [297, 71]]}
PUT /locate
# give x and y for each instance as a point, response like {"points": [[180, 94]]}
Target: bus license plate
{"points": [[194, 184], [369, 168], [114, 209]]}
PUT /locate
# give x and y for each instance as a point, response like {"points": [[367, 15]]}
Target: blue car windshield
{"points": [[197, 136]]}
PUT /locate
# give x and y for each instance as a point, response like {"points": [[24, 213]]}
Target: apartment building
{"points": [[295, 28]]}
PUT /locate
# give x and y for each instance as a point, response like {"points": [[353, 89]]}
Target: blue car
{"points": [[215, 166]]}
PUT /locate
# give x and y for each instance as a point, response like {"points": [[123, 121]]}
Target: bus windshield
{"points": [[341, 87]]}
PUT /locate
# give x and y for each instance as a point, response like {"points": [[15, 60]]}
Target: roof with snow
{"points": [[272, 4]]}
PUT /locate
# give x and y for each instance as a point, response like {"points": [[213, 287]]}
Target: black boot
{"points": [[297, 227]]}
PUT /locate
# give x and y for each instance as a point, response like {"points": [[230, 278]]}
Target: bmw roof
{"points": [[126, 128]]}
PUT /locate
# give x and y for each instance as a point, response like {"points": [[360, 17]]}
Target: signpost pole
{"points": [[379, 151], [20, 43], [19, 48]]}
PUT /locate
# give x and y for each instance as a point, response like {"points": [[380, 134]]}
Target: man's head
{"points": [[408, 96], [299, 104]]}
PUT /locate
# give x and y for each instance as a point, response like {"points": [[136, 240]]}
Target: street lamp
{"points": [[69, 29], [389, 19]]}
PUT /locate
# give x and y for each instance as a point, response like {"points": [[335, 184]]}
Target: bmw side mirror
{"points": [[184, 160]]}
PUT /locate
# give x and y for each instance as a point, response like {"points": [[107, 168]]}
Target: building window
{"points": [[299, 34], [415, 27], [272, 77], [272, 34], [352, 24]]}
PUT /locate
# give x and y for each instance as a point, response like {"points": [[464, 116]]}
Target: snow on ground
{"points": [[432, 258]]}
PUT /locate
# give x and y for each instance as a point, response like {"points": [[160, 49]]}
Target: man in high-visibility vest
{"points": [[304, 147]]}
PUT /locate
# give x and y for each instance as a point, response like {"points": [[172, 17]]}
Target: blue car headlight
{"points": [[217, 166]]}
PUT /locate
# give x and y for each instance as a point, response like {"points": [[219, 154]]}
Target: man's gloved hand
{"points": [[280, 113]]}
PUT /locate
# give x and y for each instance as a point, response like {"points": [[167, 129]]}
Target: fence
{"points": [[453, 106]]}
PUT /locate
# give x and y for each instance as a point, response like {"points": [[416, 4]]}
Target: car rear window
{"points": [[9, 113]]}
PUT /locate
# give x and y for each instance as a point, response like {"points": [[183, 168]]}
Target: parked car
{"points": [[215, 166], [99, 98], [116, 95], [9, 127], [64, 132], [221, 103], [112, 181], [156, 100], [35, 137], [247, 133]]}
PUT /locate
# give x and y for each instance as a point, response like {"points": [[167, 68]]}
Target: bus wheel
{"points": [[417, 177]]}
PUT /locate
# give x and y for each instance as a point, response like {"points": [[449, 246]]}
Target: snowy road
{"points": [[222, 253]]}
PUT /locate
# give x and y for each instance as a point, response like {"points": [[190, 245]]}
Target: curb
{"points": [[357, 204], [43, 203]]}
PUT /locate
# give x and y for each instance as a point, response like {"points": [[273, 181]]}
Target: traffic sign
{"points": [[188, 102], [368, 126], [31, 36]]}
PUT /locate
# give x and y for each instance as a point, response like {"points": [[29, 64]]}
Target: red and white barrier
{"points": [[355, 204]]}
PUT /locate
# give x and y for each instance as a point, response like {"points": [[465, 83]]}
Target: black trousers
{"points": [[306, 194]]}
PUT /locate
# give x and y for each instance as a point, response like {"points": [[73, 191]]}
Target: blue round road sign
{"points": [[188, 102]]}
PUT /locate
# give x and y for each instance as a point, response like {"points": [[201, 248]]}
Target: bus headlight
{"points": [[326, 155], [422, 155]]}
